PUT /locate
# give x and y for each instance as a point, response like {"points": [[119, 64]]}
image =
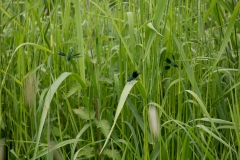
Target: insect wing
{"points": [[62, 54], [135, 74], [168, 60], [167, 67], [76, 55]]}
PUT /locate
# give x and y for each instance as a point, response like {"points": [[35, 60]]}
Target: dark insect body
{"points": [[134, 75]]}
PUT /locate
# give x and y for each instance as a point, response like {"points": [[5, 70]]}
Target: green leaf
{"points": [[113, 154], [86, 152], [104, 126], [75, 88], [84, 113], [48, 99], [150, 25]]}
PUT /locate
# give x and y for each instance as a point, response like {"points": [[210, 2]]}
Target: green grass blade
{"points": [[121, 102], [48, 100]]}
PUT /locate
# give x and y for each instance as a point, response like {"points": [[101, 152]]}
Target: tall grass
{"points": [[52, 108]]}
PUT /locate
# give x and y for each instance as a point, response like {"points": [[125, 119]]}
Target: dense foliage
{"points": [[181, 103]]}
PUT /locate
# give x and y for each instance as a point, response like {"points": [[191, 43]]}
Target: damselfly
{"points": [[70, 56], [134, 75], [170, 62]]}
